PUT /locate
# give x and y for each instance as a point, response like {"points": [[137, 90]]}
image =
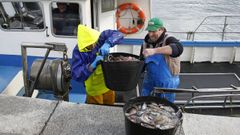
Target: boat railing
{"points": [[223, 27], [206, 98]]}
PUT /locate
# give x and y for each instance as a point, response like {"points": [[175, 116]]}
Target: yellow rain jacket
{"points": [[82, 57], [95, 84]]}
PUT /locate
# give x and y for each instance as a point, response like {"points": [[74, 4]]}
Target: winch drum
{"points": [[51, 77]]}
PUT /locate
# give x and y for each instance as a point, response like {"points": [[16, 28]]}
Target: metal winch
{"points": [[47, 74]]}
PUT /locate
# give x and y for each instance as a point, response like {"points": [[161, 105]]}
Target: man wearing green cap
{"points": [[161, 55]]}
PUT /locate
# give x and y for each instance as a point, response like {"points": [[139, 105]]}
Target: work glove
{"points": [[104, 50], [96, 61]]}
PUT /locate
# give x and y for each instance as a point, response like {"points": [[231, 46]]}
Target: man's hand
{"points": [[104, 50], [96, 61], [149, 52]]}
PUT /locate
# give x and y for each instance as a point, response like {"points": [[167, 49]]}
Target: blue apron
{"points": [[159, 75]]}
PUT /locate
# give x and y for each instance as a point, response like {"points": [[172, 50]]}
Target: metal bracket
{"points": [[29, 87]]}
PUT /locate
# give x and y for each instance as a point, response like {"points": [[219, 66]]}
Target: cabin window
{"points": [[25, 16], [65, 18], [108, 5]]}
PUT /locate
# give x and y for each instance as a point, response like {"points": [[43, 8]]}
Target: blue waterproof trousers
{"points": [[159, 75]]}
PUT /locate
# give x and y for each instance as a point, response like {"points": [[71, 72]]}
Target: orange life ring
{"points": [[140, 21]]}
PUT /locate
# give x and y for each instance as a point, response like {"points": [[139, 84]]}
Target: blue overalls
{"points": [[159, 75]]}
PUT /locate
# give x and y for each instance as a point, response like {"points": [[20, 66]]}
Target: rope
{"points": [[51, 114]]}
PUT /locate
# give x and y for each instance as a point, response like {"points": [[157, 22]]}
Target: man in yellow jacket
{"points": [[92, 47]]}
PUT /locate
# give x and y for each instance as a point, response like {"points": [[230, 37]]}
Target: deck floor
{"points": [[207, 67], [190, 77]]}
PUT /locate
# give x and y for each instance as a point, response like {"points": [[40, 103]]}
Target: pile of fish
{"points": [[153, 115], [121, 58]]}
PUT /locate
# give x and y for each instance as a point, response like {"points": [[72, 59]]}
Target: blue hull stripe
{"points": [[7, 73], [190, 43]]}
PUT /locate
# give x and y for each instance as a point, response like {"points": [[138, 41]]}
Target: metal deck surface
{"points": [[208, 80], [207, 67]]}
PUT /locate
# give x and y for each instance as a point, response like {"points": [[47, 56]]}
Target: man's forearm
{"points": [[167, 50]]}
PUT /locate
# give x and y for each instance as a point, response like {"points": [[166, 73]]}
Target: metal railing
{"points": [[205, 93], [190, 35]]}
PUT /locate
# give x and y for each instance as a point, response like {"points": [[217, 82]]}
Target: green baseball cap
{"points": [[154, 24]]}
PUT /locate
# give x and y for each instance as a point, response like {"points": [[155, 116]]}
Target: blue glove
{"points": [[96, 61], [104, 50]]}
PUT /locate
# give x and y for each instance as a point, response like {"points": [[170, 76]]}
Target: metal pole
{"points": [[39, 72], [25, 71], [137, 91], [210, 96], [180, 90], [224, 27]]}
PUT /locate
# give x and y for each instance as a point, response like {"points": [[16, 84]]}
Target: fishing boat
{"points": [[30, 28], [37, 41]]}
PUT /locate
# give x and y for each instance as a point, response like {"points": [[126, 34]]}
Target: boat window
{"points": [[65, 18], [25, 16], [108, 5]]}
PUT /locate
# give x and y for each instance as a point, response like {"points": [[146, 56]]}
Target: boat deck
{"points": [[208, 75], [201, 75], [207, 67]]}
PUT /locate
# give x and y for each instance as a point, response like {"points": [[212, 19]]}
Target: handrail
{"points": [[191, 34], [215, 95], [207, 93], [225, 17], [186, 43]]}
